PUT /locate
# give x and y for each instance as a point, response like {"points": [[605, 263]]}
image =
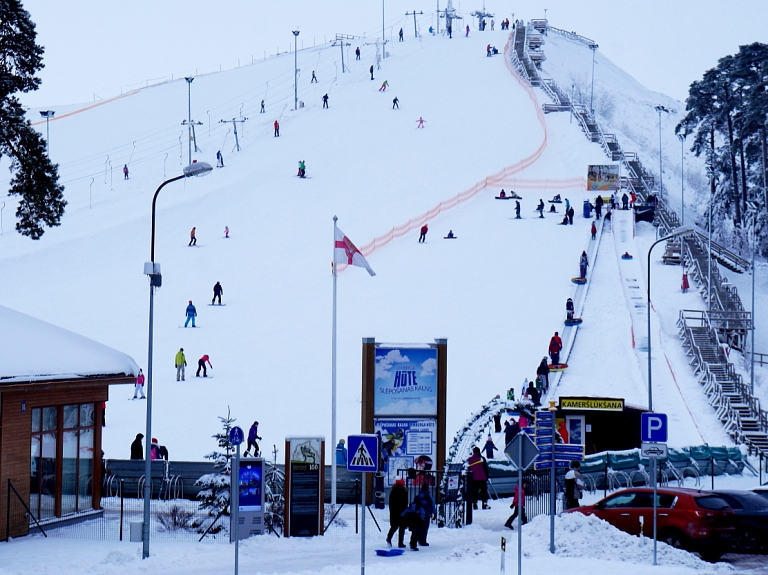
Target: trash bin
{"points": [[587, 209], [137, 531]]}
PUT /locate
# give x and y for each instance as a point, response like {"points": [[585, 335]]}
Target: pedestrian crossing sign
{"points": [[363, 453]]}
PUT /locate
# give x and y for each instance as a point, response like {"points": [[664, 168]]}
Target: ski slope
{"points": [[497, 293]]}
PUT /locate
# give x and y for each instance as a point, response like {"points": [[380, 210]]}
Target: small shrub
{"points": [[175, 518]]}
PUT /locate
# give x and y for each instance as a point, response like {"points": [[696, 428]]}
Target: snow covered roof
{"points": [[34, 350]]}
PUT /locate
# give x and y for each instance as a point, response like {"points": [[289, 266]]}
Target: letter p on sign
{"points": [[653, 427]]}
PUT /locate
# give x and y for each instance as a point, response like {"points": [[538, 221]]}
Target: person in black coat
{"points": [[398, 502], [137, 450], [543, 371], [497, 422], [533, 393], [510, 431]]}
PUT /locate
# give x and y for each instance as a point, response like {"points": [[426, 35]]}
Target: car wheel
{"points": [[746, 541], [673, 539]]}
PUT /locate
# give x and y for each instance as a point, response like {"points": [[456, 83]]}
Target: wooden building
{"points": [[53, 383]]}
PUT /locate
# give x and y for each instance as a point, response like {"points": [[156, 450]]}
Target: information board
{"points": [[304, 479]]}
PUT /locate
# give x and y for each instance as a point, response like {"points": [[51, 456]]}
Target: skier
{"points": [[262, 107], [226, 232], [325, 101], [593, 230], [314, 78], [219, 160], [125, 172], [192, 238], [253, 435], [201, 365], [423, 233], [357, 53], [540, 208], [395, 103], [400, 35], [384, 85], [302, 169], [517, 209], [139, 388], [181, 363], [421, 121], [277, 129], [217, 291], [569, 309], [467, 34], [555, 345], [583, 264], [371, 71], [191, 314]]}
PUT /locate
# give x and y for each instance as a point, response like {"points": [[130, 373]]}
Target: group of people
{"points": [[180, 362], [156, 451], [415, 516], [491, 50]]}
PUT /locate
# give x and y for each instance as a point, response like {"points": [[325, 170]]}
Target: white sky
{"points": [[100, 47]]}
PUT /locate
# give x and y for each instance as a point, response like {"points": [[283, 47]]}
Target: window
{"points": [[621, 500], [711, 502], [65, 448]]}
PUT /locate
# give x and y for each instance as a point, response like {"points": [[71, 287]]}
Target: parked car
{"points": [[751, 512], [761, 491], [689, 519]]}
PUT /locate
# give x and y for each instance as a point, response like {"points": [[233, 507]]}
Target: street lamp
{"points": [[152, 270], [660, 109], [295, 71], [753, 208], [681, 136], [712, 180], [189, 116], [594, 48], [47, 114], [681, 231]]}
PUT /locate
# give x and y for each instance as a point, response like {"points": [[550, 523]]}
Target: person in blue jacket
{"points": [[341, 453], [191, 314]]}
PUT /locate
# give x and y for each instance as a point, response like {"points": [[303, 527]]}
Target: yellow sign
{"points": [[593, 403]]}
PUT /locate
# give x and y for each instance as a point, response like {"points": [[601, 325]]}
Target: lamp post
{"points": [[152, 270], [682, 230], [711, 175], [682, 177], [660, 109], [295, 71], [753, 208], [383, 39], [594, 48], [47, 114], [189, 117]]}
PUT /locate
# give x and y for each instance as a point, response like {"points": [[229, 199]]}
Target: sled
{"points": [[389, 552], [555, 201], [557, 366], [506, 198], [579, 281], [573, 321]]}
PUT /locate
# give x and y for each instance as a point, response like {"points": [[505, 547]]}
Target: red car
{"points": [[690, 519]]}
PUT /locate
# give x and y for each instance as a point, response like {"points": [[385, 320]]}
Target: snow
{"points": [[57, 353]]}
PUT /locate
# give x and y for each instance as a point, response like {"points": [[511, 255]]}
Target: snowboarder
{"points": [[262, 107], [137, 450], [253, 435], [139, 388], [341, 453], [518, 504], [371, 71], [226, 232], [191, 314], [467, 34], [325, 101], [314, 78], [398, 503], [517, 209], [192, 238], [180, 363], [489, 448], [217, 291], [540, 208], [384, 86], [219, 160], [421, 121], [569, 309], [357, 53], [423, 233], [125, 172], [201, 365], [583, 264], [277, 129], [555, 345], [395, 103], [450, 234], [400, 35], [477, 474], [593, 231], [302, 169]]}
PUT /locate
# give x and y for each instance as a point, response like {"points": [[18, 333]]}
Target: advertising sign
{"points": [[603, 178], [305, 496], [405, 382], [406, 444], [250, 485], [592, 403]]}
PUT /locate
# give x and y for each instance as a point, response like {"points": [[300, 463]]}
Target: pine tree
{"points": [[35, 178], [215, 487]]}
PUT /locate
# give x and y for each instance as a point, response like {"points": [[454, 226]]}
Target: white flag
{"points": [[345, 252]]}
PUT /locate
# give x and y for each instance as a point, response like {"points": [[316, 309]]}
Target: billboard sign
{"points": [[304, 501], [603, 178], [250, 485], [406, 381], [407, 444]]}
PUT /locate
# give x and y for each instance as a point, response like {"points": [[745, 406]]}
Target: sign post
{"points": [[654, 434], [363, 457], [236, 437], [523, 452]]}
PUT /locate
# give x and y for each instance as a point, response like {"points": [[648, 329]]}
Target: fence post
{"points": [[8, 513], [122, 481]]}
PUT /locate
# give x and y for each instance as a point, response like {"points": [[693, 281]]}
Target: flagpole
{"points": [[333, 375]]}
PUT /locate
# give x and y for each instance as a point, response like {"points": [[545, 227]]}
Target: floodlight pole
{"points": [[47, 114], [234, 126], [753, 208], [594, 48], [660, 109], [383, 38], [682, 178], [414, 14], [295, 70], [189, 117], [711, 174]]}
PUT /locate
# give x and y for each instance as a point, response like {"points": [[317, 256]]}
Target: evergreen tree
{"points": [[215, 487], [35, 178]]}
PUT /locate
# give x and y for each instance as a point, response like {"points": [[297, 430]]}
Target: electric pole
{"points": [[234, 126], [414, 14]]}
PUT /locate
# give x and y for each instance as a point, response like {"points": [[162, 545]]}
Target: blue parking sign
{"points": [[363, 453], [653, 427]]}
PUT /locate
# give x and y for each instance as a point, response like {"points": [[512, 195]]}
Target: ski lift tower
{"points": [[449, 14], [341, 41]]}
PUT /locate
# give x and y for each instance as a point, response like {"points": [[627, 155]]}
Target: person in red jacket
{"points": [[139, 387], [423, 234], [277, 129], [555, 345], [201, 365], [594, 231]]}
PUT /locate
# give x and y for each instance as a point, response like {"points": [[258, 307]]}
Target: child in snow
{"points": [[371, 71], [277, 129], [226, 232], [594, 231], [450, 234], [302, 169], [314, 78], [569, 309], [357, 53], [201, 365], [262, 107], [583, 264]]}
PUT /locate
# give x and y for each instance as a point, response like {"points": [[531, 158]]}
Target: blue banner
{"points": [[406, 382]]}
